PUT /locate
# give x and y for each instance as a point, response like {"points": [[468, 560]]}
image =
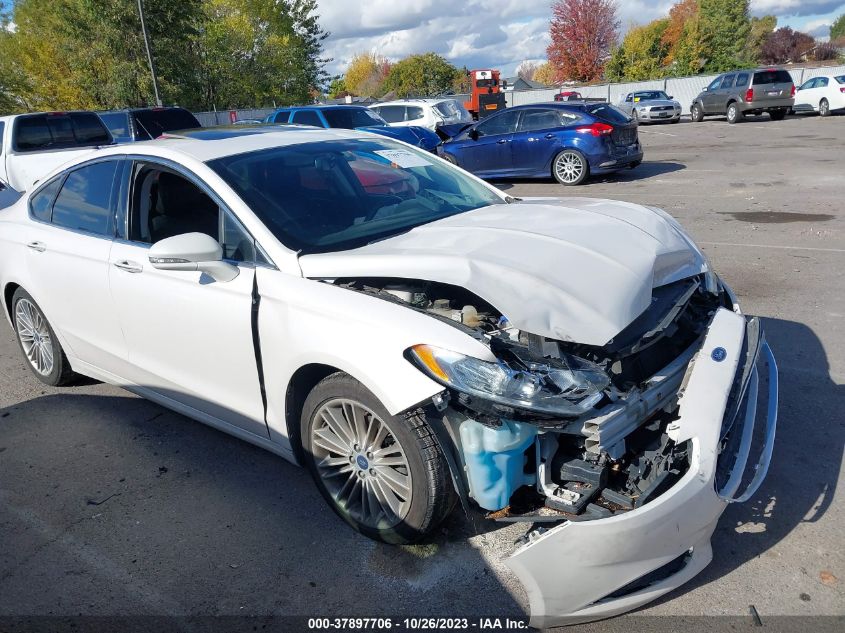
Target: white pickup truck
{"points": [[31, 145]]}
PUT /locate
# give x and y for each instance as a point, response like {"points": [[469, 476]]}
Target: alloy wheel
{"points": [[569, 167], [361, 463], [34, 335], [824, 107]]}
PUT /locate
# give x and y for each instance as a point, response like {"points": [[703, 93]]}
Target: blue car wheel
{"points": [[570, 167]]}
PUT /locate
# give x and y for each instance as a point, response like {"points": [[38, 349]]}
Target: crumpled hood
{"points": [[572, 269], [415, 135]]}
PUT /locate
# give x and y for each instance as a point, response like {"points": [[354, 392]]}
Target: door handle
{"points": [[502, 141], [550, 136], [38, 247], [130, 267]]}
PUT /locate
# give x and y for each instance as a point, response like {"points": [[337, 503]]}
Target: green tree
{"points": [[427, 74], [837, 29], [337, 88], [688, 56], [725, 26], [759, 30], [366, 74]]}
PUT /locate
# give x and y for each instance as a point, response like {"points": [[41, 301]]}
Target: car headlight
{"points": [[568, 386]]}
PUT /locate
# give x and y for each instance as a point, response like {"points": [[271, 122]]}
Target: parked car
{"points": [[568, 95], [742, 92], [145, 124], [32, 145], [412, 336], [568, 141], [648, 106], [351, 117], [823, 94], [429, 113]]}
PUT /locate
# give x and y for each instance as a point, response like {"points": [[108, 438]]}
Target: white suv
{"points": [[429, 113]]}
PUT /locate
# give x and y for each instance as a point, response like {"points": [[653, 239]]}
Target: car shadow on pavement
{"points": [[648, 169], [802, 478], [112, 500]]}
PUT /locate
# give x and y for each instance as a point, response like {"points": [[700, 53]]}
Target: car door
{"points": [[68, 249], [189, 338], [537, 139], [805, 96], [710, 97], [819, 92], [489, 153], [722, 95]]}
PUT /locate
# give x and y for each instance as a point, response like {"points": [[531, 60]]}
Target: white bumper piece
{"points": [[581, 571]]}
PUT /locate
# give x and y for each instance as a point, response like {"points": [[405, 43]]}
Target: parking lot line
{"points": [[787, 248]]}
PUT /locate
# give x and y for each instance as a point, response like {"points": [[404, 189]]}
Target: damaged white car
{"points": [[415, 338]]}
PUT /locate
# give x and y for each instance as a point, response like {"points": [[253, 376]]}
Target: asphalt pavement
{"points": [[112, 505]]}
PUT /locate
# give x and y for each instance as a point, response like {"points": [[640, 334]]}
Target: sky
{"points": [[499, 33]]}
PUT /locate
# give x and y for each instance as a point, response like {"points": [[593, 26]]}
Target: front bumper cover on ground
{"points": [[581, 571]]}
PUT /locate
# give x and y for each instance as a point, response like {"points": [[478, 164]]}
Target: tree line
{"points": [[89, 54]]}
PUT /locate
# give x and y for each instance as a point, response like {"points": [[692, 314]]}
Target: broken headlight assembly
{"points": [[565, 386]]}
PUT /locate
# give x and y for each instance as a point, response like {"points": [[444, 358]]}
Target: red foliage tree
{"points": [[582, 32], [786, 45]]}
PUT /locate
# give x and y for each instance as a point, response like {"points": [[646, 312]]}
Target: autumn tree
{"points": [[526, 69], [545, 74], [759, 30], [582, 33], [724, 26], [680, 15], [641, 54], [427, 74], [366, 74], [785, 45]]}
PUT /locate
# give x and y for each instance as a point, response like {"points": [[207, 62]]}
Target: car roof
{"points": [[324, 106], [430, 101], [146, 109], [206, 144]]}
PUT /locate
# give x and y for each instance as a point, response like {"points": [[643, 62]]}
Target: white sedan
{"points": [[823, 94], [414, 337]]}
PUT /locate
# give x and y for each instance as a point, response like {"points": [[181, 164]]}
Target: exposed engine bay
{"points": [[559, 430]]}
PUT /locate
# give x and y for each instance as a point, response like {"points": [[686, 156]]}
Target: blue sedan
{"points": [[569, 141], [352, 117]]}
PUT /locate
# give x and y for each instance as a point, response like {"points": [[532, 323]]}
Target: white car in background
{"points": [[823, 94], [413, 336], [430, 113]]}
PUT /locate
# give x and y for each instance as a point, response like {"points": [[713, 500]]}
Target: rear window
{"points": [[153, 123], [118, 124], [765, 77], [608, 113], [35, 132]]}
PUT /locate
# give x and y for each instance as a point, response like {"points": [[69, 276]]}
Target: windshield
{"points": [[651, 95], [350, 118], [342, 194]]}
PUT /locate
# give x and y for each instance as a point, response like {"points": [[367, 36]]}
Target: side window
{"points": [[41, 204], [307, 117], [538, 120], [821, 82], [504, 123], [413, 113], [282, 117], [85, 200], [741, 80], [393, 113], [810, 83], [164, 203], [629, 98], [727, 82], [714, 84]]}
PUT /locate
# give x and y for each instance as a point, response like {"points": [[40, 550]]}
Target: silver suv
{"points": [[742, 92]]}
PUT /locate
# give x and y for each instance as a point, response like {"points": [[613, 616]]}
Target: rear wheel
{"points": [[385, 475], [448, 157], [734, 113], [824, 108], [777, 115], [38, 342], [696, 113], [570, 167]]}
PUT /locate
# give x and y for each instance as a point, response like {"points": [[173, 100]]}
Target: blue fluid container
{"points": [[495, 458]]}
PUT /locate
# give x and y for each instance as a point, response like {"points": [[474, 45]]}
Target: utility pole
{"points": [[149, 52]]}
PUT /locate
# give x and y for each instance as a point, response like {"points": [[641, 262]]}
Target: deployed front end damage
{"points": [[621, 457]]}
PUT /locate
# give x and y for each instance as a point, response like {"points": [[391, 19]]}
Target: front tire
{"points": [[824, 108], [384, 475], [38, 343], [570, 167], [696, 113], [734, 114]]}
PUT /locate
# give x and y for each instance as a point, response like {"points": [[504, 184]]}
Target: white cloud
{"points": [[795, 7]]}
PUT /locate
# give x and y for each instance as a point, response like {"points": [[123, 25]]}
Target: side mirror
{"points": [[192, 251], [473, 134], [704, 89], [504, 84], [671, 97]]}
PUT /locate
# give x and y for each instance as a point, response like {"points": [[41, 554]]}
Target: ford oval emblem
{"points": [[719, 354], [363, 464]]}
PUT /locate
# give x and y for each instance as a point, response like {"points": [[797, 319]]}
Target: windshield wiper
{"points": [[511, 199]]}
